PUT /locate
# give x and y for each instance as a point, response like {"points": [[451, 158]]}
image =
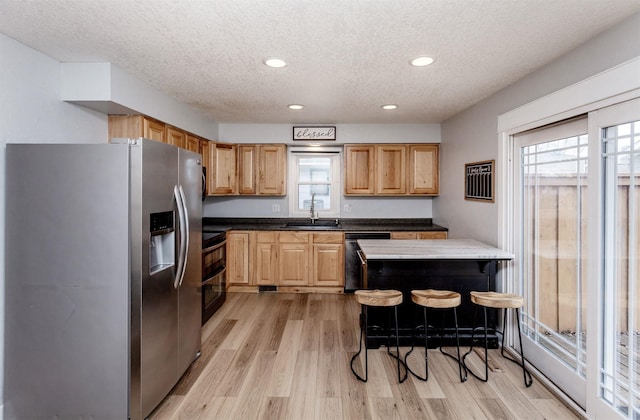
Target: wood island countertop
{"points": [[430, 249]]}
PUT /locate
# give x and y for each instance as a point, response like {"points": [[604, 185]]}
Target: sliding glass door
{"points": [[577, 228]]}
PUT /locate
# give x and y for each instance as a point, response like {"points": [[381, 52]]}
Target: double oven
{"points": [[214, 272]]}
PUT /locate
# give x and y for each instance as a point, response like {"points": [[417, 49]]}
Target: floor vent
{"points": [[267, 289]]}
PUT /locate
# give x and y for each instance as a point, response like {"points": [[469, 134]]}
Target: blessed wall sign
{"points": [[314, 133]]}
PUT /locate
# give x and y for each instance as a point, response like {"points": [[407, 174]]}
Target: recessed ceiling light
{"points": [[295, 106], [274, 62], [421, 61], [389, 106]]}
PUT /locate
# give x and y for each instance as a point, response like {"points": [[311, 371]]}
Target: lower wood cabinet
{"points": [[328, 259], [294, 256], [266, 262], [298, 259], [238, 258]]}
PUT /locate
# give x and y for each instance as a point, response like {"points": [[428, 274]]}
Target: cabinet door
{"points": [[294, 264], [359, 170], [204, 151], [175, 137], [266, 265], [221, 171], [423, 169], [134, 126], [238, 258], [192, 143], [154, 130], [391, 169], [328, 265], [272, 169], [246, 169]]}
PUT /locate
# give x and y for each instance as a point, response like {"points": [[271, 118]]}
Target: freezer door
{"points": [[190, 295], [154, 176], [67, 281]]}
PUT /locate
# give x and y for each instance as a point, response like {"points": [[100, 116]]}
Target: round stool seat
{"points": [[497, 300], [436, 298], [378, 297]]}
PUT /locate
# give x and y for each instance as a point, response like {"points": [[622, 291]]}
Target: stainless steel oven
{"points": [[214, 272]]}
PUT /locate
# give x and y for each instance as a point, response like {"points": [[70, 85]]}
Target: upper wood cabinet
{"points": [[262, 169], [135, 126], [175, 136], [391, 169], [423, 169], [221, 169], [359, 163], [204, 151], [272, 169], [192, 143]]}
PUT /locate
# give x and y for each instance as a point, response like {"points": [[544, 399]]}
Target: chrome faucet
{"points": [[314, 216]]}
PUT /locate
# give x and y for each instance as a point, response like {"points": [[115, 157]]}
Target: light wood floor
{"points": [[286, 356]]}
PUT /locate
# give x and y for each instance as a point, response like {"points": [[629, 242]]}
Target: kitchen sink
{"points": [[316, 225]]}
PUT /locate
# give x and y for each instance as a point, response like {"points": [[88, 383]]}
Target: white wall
{"points": [[472, 135], [106, 88], [361, 207], [31, 112], [345, 133]]}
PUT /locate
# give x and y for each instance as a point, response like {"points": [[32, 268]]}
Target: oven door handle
{"points": [[214, 247], [213, 276]]}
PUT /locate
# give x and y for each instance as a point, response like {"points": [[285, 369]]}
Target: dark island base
{"points": [[462, 276]]}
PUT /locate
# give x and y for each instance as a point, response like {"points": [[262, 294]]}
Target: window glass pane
{"points": [[314, 169], [321, 196], [554, 176]]}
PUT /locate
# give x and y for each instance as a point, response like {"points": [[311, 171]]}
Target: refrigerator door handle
{"points": [[181, 250], [184, 228]]}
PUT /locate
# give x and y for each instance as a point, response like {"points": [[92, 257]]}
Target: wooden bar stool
{"points": [[436, 299], [377, 298], [502, 301]]}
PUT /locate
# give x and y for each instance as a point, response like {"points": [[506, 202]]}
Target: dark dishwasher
{"points": [[352, 278]]}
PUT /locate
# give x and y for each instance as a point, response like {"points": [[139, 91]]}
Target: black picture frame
{"points": [[479, 181]]}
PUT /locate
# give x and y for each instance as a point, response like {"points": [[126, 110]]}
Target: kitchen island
{"points": [[460, 265]]}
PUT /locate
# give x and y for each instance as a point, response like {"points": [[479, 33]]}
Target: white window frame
{"points": [[336, 163]]}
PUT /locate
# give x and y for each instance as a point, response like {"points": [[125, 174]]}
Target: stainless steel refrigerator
{"points": [[103, 273]]}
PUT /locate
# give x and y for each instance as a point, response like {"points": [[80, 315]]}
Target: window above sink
{"points": [[314, 182]]}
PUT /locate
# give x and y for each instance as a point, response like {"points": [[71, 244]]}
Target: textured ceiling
{"points": [[346, 57]]}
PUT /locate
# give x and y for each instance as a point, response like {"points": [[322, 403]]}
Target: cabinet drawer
{"points": [[419, 235], [294, 237], [266, 237], [328, 238], [432, 235]]}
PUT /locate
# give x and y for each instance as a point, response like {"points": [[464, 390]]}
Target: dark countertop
{"points": [[346, 225]]}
